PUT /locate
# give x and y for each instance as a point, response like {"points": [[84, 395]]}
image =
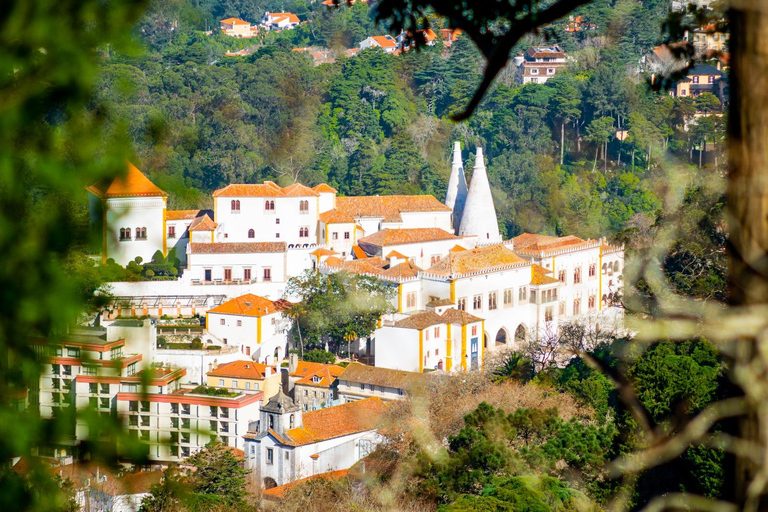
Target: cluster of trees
{"points": [[379, 123]]}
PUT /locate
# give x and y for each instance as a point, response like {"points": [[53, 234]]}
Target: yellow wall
{"points": [[464, 347], [448, 350], [421, 351]]}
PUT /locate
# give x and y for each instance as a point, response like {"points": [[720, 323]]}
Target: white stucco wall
{"points": [[134, 212]]}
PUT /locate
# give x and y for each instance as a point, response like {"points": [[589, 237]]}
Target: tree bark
{"points": [[562, 142], [748, 205]]}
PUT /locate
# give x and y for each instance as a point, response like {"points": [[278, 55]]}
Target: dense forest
{"points": [[380, 123]]}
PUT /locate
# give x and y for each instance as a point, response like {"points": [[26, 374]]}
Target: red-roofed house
{"points": [[386, 43], [290, 444], [279, 20], [236, 27], [313, 384], [255, 324], [246, 376]]}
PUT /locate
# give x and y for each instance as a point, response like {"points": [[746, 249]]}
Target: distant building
{"points": [[701, 78], [708, 38], [360, 381], [99, 488], [289, 444], [279, 20], [387, 43], [540, 63], [236, 27], [246, 376], [313, 384]]}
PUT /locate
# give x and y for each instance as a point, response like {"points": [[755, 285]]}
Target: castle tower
{"points": [[456, 195], [280, 414], [479, 217]]}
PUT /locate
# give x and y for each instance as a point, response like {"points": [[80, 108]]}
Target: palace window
{"points": [[410, 300], [269, 205], [235, 206], [171, 231], [437, 332], [576, 306], [267, 274], [251, 233], [562, 308], [605, 268], [521, 296], [561, 276], [270, 456], [592, 270], [591, 302], [508, 294], [477, 302], [303, 232], [346, 235], [141, 233], [462, 304], [549, 313], [304, 207], [227, 274], [247, 274], [426, 331], [221, 321], [474, 330], [492, 301], [616, 266], [335, 235], [577, 275]]}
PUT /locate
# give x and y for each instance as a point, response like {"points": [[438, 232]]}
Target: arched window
{"points": [[138, 233], [290, 421], [616, 266], [304, 206], [605, 268], [271, 205], [266, 205], [144, 233], [604, 299], [122, 233], [233, 205], [251, 233], [271, 421]]}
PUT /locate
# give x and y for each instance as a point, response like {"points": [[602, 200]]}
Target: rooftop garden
{"points": [[213, 391]]}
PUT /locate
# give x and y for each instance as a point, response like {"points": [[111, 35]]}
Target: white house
{"points": [[423, 246], [255, 324], [178, 233], [290, 444], [387, 43], [540, 63], [236, 27], [130, 213], [279, 20]]}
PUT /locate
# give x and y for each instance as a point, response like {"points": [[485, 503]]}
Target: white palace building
{"points": [[461, 288]]}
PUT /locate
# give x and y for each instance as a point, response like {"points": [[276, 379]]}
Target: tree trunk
{"points": [[578, 138], [748, 209], [562, 142], [594, 164], [633, 161]]}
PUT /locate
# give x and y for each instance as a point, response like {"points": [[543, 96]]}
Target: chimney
{"points": [[268, 371], [293, 362]]}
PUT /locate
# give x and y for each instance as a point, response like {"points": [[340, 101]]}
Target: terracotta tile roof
{"points": [[420, 320], [324, 188], [83, 473], [309, 368], [387, 237], [529, 243], [481, 259], [399, 379], [374, 266], [385, 41], [322, 251], [457, 248], [386, 206], [234, 21], [440, 302], [131, 184], [325, 374], [204, 223], [299, 190], [237, 247], [250, 305], [539, 275], [241, 370], [402, 270], [337, 421], [395, 254], [278, 493], [279, 16], [333, 261], [187, 214], [266, 189], [358, 252], [456, 316], [336, 217]]}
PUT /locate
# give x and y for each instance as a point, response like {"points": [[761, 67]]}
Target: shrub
{"points": [[196, 344], [161, 342], [213, 347], [110, 261], [149, 273], [174, 271], [138, 260], [319, 356]]}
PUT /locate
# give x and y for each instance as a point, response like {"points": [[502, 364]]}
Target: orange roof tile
{"points": [[204, 223], [278, 493], [359, 373], [337, 421], [539, 276], [324, 188], [234, 21], [242, 370], [186, 214], [299, 190], [402, 270], [387, 237], [131, 184], [248, 305], [385, 206], [324, 374], [426, 319], [237, 247], [456, 248], [395, 254], [322, 251], [333, 261], [358, 252], [266, 189], [481, 259], [336, 217], [279, 16], [385, 41], [529, 243]]}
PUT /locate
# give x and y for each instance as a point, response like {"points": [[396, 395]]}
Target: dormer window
{"points": [[315, 379]]}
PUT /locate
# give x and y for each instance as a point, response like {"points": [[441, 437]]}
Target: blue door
{"points": [[473, 355]]}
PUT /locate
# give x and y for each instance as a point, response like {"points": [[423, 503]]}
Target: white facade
{"points": [[479, 215], [386, 43]]}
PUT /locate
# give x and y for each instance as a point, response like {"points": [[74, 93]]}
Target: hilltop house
{"points": [[236, 27], [540, 63], [387, 43], [279, 20], [246, 376]]}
